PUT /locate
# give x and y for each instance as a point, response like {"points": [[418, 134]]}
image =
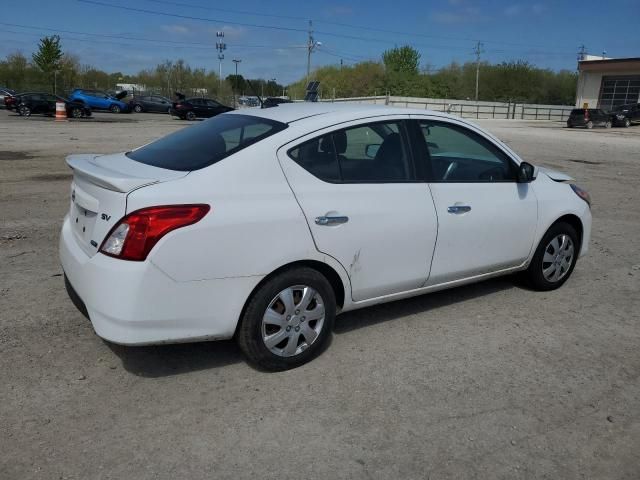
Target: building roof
{"points": [[617, 64]]}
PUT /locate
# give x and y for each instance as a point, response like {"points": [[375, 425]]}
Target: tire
{"points": [[190, 116], [114, 109], [589, 125], [607, 125], [24, 111], [297, 333], [627, 123], [137, 108], [540, 275], [76, 112]]}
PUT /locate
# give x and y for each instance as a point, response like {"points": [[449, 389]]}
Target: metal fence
{"points": [[469, 109]]}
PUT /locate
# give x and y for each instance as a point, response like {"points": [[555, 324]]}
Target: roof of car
{"points": [[293, 112]]}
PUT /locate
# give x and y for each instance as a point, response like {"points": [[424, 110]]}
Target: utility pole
{"points": [[478, 50], [582, 52], [221, 47], [236, 61], [311, 46]]}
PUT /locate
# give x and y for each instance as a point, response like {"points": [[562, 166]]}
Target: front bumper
{"points": [[136, 303]]}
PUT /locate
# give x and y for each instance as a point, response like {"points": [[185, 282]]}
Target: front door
{"points": [[487, 221], [358, 189]]}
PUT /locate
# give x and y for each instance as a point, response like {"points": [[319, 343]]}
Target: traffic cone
{"points": [[61, 112]]}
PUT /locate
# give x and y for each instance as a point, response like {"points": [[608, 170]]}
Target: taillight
{"points": [[133, 237]]}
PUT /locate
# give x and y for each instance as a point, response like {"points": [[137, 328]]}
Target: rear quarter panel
{"points": [[254, 227]]}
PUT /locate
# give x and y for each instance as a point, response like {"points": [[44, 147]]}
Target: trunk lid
{"points": [[99, 192]]}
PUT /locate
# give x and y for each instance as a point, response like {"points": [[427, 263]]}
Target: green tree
{"points": [[48, 57], [403, 60]]}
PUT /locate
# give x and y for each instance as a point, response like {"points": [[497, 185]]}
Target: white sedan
{"points": [[264, 224]]}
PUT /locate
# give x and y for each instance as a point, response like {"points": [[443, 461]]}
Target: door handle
{"points": [[325, 221], [458, 209]]}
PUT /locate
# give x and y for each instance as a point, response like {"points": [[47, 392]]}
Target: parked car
{"points": [[264, 226], [249, 101], [98, 100], [150, 103], [274, 101], [625, 115], [45, 103], [5, 92], [11, 101], [589, 117], [192, 108]]}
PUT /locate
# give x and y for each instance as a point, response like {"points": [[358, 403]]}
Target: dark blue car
{"points": [[98, 100]]}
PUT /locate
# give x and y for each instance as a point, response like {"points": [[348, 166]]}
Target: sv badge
{"points": [[106, 217]]}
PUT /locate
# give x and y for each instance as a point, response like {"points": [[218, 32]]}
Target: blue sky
{"points": [[124, 35]]}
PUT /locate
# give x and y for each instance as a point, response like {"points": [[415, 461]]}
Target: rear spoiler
{"points": [[84, 165]]}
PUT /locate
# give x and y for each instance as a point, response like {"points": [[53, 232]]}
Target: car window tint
{"points": [[237, 136], [318, 158], [204, 144], [212, 103], [459, 155], [373, 153]]}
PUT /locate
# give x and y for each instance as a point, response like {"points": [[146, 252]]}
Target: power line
{"points": [[339, 24], [178, 44]]}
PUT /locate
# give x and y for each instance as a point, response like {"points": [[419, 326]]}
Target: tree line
{"points": [[398, 73]]}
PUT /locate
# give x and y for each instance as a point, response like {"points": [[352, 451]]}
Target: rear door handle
{"points": [[327, 221], [458, 209]]}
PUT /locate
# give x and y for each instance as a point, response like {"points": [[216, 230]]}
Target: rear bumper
{"points": [[135, 303]]}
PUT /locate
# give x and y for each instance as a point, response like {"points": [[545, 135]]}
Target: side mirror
{"points": [[526, 173], [371, 150]]}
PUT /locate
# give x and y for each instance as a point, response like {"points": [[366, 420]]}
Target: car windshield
{"points": [[204, 144]]}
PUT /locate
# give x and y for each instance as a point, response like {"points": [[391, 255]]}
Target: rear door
{"points": [[364, 204], [487, 221]]}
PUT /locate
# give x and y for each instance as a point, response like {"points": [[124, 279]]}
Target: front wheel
{"points": [[555, 258], [24, 111], [137, 108], [288, 319], [76, 113], [589, 124], [114, 109], [607, 125], [190, 116], [627, 123]]}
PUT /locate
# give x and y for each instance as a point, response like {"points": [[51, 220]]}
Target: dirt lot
{"points": [[485, 381]]}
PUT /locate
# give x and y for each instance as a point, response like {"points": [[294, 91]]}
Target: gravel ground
{"points": [[484, 381]]}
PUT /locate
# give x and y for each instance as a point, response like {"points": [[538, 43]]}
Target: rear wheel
{"points": [[288, 319], [76, 112], [607, 124], [190, 116], [24, 111], [555, 258], [114, 109], [589, 125], [627, 123], [137, 108]]}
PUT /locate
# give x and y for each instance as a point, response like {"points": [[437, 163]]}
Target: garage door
{"points": [[616, 91]]}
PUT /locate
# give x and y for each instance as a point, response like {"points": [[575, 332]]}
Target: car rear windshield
{"points": [[206, 143]]}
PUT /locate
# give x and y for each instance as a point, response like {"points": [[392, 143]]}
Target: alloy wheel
{"points": [[558, 257], [293, 321]]}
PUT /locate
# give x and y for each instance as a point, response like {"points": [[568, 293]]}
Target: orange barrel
{"points": [[61, 111]]}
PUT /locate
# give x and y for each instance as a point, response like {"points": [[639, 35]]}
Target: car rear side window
{"points": [[206, 143], [371, 153]]}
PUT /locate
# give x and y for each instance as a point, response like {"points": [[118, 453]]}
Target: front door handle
{"points": [[327, 221], [458, 209]]}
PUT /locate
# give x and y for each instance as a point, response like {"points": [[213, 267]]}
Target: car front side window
{"points": [[458, 155]]}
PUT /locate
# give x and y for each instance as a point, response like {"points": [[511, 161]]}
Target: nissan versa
{"points": [[263, 226]]}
